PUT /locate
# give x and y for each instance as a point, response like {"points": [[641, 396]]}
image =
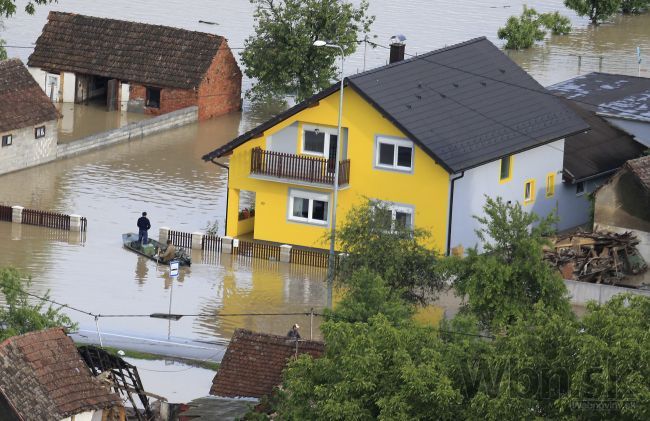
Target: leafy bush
{"points": [[523, 31]]}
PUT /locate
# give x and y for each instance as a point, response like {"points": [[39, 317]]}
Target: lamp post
{"points": [[332, 259]]}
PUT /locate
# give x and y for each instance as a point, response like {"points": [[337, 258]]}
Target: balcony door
{"points": [[331, 160]]}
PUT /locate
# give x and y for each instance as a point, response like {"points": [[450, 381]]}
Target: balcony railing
{"points": [[298, 167]]}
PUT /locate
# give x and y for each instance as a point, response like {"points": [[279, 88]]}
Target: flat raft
{"points": [[130, 241]]}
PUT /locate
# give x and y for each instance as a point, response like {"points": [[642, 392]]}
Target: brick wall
{"points": [[220, 91], [171, 99]]}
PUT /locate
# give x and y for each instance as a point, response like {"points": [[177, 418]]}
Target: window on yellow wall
{"points": [[505, 173], [529, 192], [550, 185]]}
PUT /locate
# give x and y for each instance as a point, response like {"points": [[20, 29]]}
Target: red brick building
{"points": [[150, 68]]}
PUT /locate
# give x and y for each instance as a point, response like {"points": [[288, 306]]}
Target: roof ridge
{"points": [[417, 57], [72, 14]]}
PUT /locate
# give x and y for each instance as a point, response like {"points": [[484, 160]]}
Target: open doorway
{"points": [[98, 90]]}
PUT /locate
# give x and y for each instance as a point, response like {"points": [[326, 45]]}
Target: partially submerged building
{"points": [[150, 68], [28, 120], [42, 377], [624, 101]]}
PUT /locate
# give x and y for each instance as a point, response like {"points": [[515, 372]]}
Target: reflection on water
{"points": [[78, 121]]}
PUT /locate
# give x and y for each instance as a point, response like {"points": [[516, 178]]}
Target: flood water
{"points": [[165, 176]]}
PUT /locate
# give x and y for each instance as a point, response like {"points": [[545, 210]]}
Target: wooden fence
{"points": [[310, 257], [46, 219], [211, 243], [5, 213], [180, 239], [257, 250]]}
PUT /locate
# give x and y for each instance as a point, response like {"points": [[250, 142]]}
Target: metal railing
{"points": [[298, 167]]}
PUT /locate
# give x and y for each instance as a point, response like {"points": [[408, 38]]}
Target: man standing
{"points": [[143, 228]]}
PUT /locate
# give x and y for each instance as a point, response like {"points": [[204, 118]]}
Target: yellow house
{"points": [[410, 132]]}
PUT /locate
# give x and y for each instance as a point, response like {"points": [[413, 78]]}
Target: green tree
{"points": [[280, 56], [3, 51], [634, 6], [372, 239], [523, 31], [19, 316], [502, 284], [8, 7], [596, 10]]}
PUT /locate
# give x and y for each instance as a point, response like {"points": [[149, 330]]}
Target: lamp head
{"points": [[319, 43]]}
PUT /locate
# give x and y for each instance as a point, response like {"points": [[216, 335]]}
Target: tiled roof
{"points": [[609, 94], [640, 167], [43, 377], [601, 150], [22, 102], [253, 363], [130, 51], [465, 105]]}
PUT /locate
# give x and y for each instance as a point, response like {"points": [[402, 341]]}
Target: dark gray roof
{"points": [[465, 105], [600, 151], [609, 94]]}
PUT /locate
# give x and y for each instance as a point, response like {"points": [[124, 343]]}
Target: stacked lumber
{"points": [[600, 257]]}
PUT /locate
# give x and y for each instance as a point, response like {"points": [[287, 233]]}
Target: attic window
{"points": [[153, 97], [394, 154], [39, 132], [7, 140], [580, 187]]}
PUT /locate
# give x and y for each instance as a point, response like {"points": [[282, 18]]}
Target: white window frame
{"points": [[396, 207], [39, 132], [328, 131], [396, 143], [10, 139], [311, 196]]}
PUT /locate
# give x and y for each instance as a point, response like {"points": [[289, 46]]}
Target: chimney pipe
{"points": [[397, 48]]}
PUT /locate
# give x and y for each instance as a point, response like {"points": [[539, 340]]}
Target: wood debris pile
{"points": [[600, 257]]}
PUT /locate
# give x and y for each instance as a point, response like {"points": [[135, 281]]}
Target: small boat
{"points": [[150, 250]]}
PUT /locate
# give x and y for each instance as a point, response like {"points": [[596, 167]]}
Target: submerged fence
{"points": [[41, 218], [246, 249]]}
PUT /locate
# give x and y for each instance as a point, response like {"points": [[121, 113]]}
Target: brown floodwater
{"points": [[165, 176]]}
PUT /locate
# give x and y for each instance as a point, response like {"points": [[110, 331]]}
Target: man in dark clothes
{"points": [[293, 333], [143, 228]]}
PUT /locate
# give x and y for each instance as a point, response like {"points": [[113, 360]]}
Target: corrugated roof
{"points": [[611, 94], [22, 102], [253, 363], [132, 51], [43, 377], [601, 150], [465, 105]]}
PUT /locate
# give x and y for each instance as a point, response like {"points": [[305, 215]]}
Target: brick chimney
{"points": [[397, 48]]}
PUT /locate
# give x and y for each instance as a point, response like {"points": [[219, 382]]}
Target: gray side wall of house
{"points": [[574, 210], [638, 129], [469, 191], [27, 151], [285, 140]]}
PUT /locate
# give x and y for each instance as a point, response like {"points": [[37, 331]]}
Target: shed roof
{"points": [[131, 51], [22, 102], [43, 377], [253, 363], [465, 105], [602, 150], [640, 168], [609, 94]]}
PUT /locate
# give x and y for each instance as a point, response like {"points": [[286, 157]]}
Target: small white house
{"points": [[28, 120]]}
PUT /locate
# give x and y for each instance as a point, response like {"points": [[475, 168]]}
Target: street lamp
{"points": [[332, 260]]}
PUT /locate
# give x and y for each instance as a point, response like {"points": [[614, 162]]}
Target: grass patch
{"points": [[209, 365]]}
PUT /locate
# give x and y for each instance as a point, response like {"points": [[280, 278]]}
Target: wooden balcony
{"points": [[297, 167]]}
